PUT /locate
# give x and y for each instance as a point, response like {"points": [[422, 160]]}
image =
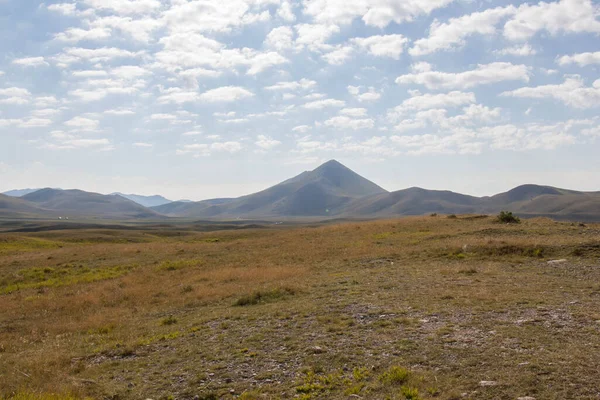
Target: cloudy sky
{"points": [[213, 98]]}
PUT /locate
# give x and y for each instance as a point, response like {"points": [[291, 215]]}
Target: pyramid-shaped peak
{"points": [[343, 178], [332, 165]]}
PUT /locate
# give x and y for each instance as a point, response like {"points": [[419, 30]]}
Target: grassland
{"points": [[416, 308]]}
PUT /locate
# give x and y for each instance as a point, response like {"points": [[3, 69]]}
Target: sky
{"points": [[199, 99]]}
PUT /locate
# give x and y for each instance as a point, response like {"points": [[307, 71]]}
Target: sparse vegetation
{"points": [[507, 217], [325, 312]]}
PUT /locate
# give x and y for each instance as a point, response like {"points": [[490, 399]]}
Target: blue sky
{"points": [[210, 98]]}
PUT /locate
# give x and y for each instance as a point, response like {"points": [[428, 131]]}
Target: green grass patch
{"points": [[68, 274], [264, 296], [394, 376], [172, 265]]}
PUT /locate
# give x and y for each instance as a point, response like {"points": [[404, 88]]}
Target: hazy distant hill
{"points": [[414, 201], [85, 204], [19, 192], [321, 192], [17, 207], [146, 201], [331, 190]]}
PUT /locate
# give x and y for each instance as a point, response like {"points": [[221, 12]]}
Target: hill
{"points": [[78, 203], [321, 192], [146, 201], [19, 192], [17, 207]]}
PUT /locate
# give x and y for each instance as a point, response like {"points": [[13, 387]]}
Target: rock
{"points": [[554, 262], [526, 398], [488, 383], [317, 350]]}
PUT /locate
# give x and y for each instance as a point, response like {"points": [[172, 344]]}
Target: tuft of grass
{"points": [[170, 320], [395, 376], [259, 297], [171, 265], [507, 217], [410, 393], [30, 395]]}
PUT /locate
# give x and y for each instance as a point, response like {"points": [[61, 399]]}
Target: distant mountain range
{"points": [[331, 190]]}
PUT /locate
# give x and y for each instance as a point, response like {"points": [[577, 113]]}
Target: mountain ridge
{"points": [[329, 191]]}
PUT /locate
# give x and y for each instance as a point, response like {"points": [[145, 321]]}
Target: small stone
{"points": [[232, 391], [554, 262], [488, 383], [317, 350], [526, 398]]}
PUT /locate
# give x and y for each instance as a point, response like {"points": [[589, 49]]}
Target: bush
{"points": [[507, 217], [452, 216], [395, 376]]}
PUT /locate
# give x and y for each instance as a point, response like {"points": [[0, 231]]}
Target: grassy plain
{"points": [[415, 308]]}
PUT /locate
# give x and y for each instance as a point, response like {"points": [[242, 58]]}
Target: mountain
{"points": [[146, 201], [19, 192], [414, 201], [17, 207], [77, 203], [321, 192]]}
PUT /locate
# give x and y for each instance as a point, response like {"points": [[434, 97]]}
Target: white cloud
{"points": [[339, 56], [569, 16], [301, 128], [377, 13], [163, 117], [83, 124], [320, 104], [315, 36], [125, 6], [286, 12], [344, 122], [31, 62], [74, 35], [143, 145], [581, 59], [517, 51], [354, 112], [229, 147], [120, 112], [266, 142], [383, 45], [35, 123], [15, 96], [280, 38], [482, 75], [74, 55], [302, 84], [571, 92], [225, 94], [419, 102], [69, 9], [452, 34], [370, 95]]}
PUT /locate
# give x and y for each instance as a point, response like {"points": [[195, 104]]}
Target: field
{"points": [[414, 308]]}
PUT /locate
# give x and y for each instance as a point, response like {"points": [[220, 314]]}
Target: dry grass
{"points": [[403, 309]]}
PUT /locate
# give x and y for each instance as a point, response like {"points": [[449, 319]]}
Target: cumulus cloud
{"points": [[446, 36], [517, 51], [266, 143], [31, 62], [571, 92], [581, 59], [280, 38], [302, 84], [225, 94], [320, 104], [484, 74], [383, 45], [82, 124], [568, 16], [345, 122]]}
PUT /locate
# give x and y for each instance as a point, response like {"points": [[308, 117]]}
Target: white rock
{"points": [[526, 398], [488, 383], [553, 262]]}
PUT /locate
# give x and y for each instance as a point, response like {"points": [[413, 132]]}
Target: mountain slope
{"points": [[85, 204], [19, 192], [146, 201], [414, 201], [320, 192], [14, 207]]}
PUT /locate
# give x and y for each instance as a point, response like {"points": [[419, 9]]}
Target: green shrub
{"points": [[507, 217], [170, 320], [410, 393], [395, 376], [259, 297]]}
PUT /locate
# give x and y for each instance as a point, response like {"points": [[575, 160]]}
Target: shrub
{"points": [[452, 216], [507, 217], [395, 376], [264, 296], [410, 393], [170, 320]]}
